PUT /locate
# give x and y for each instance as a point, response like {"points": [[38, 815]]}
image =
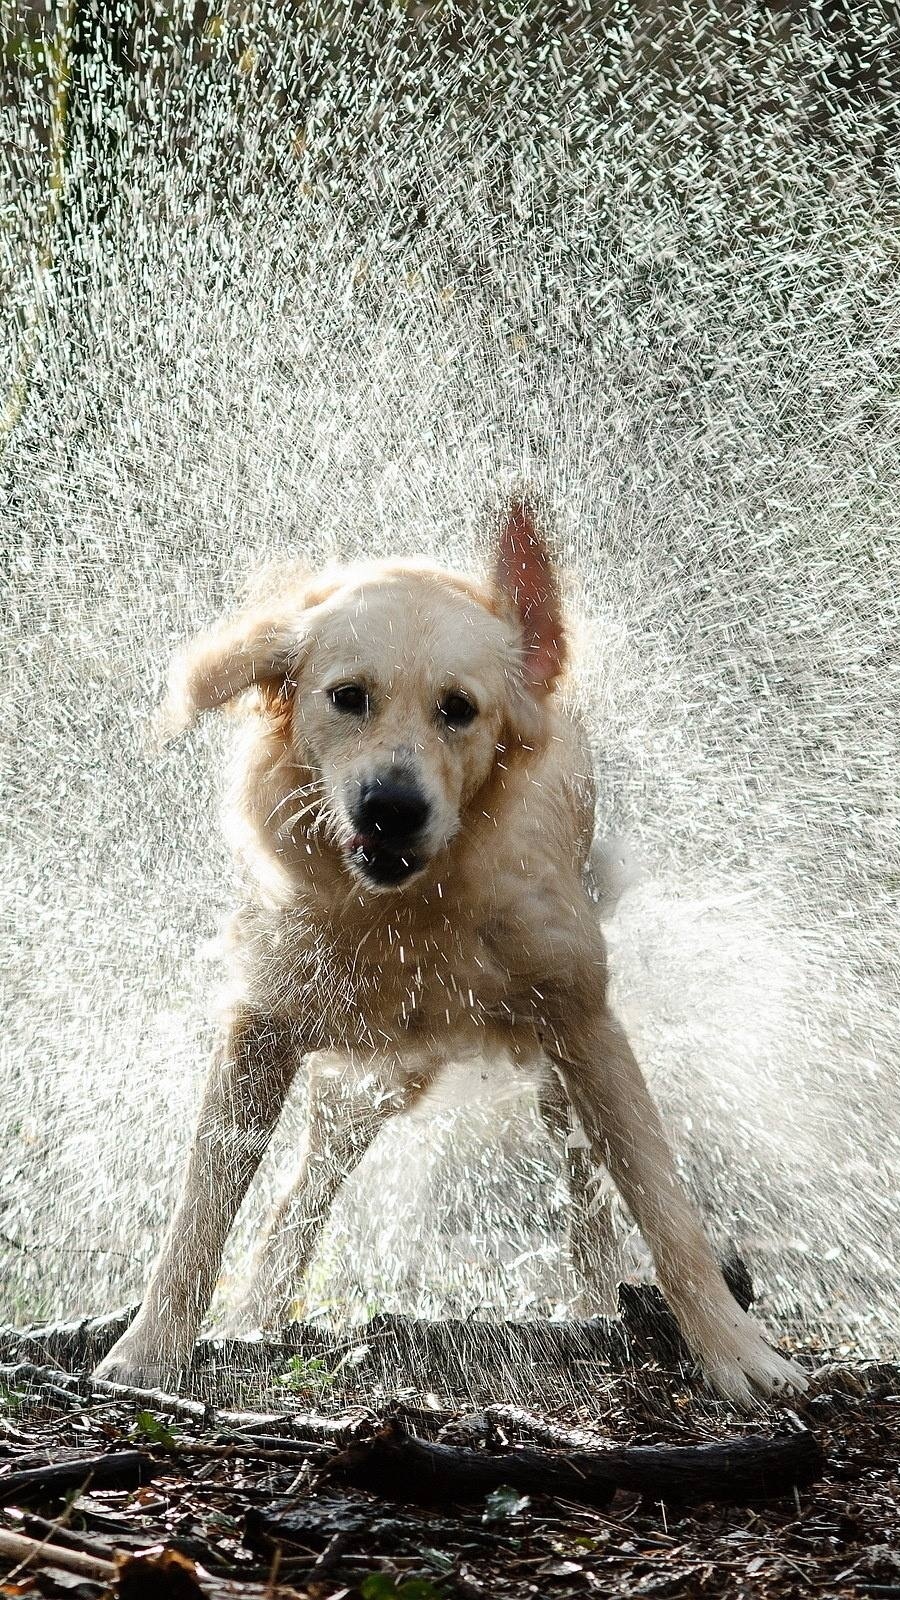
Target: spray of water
{"points": [[327, 289]]}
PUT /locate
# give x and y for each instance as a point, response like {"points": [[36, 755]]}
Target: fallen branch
{"points": [[174, 1405], [293, 1453], [76, 1344], [543, 1430], [20, 1548], [307, 1427], [56, 1533], [152, 1400], [23, 1372], [394, 1463], [466, 1354], [121, 1469]]}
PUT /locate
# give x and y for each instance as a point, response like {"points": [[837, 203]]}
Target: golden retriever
{"points": [[416, 815]]}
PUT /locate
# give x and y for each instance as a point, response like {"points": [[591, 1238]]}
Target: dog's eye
{"points": [[457, 709], [350, 697]]}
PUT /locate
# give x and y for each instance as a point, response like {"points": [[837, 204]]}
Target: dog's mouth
{"points": [[386, 865]]}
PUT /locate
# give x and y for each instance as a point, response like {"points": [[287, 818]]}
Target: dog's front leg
{"points": [[250, 1075], [607, 1089], [343, 1119]]}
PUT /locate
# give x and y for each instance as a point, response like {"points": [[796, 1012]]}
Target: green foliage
{"points": [[438, 1559], [306, 1376], [378, 1586], [10, 1401], [504, 1504], [147, 1426]]}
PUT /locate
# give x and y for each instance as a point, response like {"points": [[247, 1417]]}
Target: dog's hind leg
{"points": [[251, 1072], [344, 1117], [591, 1226]]}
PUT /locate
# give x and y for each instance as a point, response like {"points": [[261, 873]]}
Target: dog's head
{"points": [[398, 687]]}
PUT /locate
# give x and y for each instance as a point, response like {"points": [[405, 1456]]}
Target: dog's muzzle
{"points": [[390, 816]]}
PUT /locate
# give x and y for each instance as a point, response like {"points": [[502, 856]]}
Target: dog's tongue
{"points": [[360, 841]]}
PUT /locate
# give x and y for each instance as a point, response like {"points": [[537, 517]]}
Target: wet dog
{"points": [[416, 813]]}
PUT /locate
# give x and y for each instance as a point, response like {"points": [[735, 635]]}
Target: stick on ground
{"points": [[394, 1463], [121, 1469], [20, 1548]]}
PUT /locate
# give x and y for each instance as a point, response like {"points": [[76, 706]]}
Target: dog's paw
{"points": [[753, 1379], [136, 1366], [133, 1374], [740, 1366]]}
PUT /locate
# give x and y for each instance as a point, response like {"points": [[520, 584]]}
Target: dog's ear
{"points": [[259, 648], [524, 577]]}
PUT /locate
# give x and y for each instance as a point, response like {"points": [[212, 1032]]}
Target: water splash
{"points": [[326, 290]]}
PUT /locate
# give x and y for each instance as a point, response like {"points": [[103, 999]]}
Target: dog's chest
{"points": [[398, 983], [426, 983]]}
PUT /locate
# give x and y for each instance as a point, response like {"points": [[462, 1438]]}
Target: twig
{"points": [[154, 1400], [336, 1547], [14, 1244]]}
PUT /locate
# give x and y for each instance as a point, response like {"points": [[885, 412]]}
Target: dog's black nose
{"points": [[391, 810]]}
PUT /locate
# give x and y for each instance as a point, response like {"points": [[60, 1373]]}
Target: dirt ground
{"points": [[167, 1499]]}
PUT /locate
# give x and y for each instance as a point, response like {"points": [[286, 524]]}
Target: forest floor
{"points": [[140, 1495]]}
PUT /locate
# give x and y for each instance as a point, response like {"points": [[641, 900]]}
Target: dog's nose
{"points": [[391, 809]]}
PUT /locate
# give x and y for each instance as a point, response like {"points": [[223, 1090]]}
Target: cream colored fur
{"points": [[490, 944]]}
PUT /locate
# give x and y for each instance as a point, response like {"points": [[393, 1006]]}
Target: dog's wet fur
{"points": [[414, 811]]}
